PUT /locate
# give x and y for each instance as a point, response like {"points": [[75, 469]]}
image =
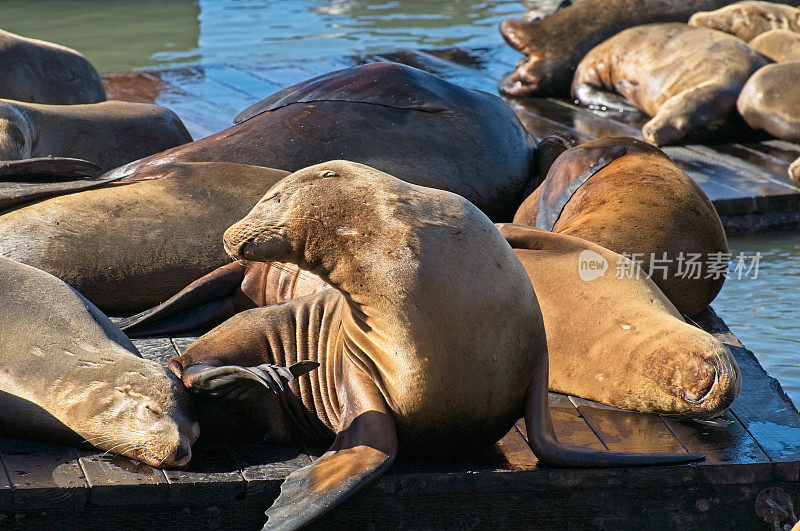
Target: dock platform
{"points": [[752, 463]]}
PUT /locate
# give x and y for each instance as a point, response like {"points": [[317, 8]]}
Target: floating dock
{"points": [[751, 473]]}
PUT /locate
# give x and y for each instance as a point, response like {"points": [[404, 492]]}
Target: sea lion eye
{"points": [[273, 197], [154, 409], [328, 173]]}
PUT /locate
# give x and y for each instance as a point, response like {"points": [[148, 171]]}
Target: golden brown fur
{"points": [[748, 20]]}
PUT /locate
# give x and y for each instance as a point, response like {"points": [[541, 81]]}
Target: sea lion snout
{"points": [[709, 385]]}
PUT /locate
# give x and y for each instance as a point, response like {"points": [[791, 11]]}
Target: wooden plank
{"points": [[289, 73], [628, 431], [200, 117], [41, 475], [732, 455], [211, 476], [252, 87], [118, 480], [452, 72], [762, 407], [193, 80], [139, 87], [515, 451], [264, 467], [158, 349]]}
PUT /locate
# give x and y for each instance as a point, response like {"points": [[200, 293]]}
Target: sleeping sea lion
{"points": [[43, 72], [780, 45], [770, 100], [643, 354], [70, 375], [108, 134], [413, 352], [130, 244], [748, 20], [627, 196], [687, 79], [556, 44], [393, 117]]}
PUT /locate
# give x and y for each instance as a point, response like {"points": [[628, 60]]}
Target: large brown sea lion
{"points": [[130, 244], [778, 45], [413, 352], [687, 79], [43, 72], [68, 373], [643, 354], [556, 44], [627, 196], [398, 119], [748, 20], [108, 134]]}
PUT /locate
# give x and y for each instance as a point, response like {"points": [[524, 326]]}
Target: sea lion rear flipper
{"points": [[543, 442], [49, 167], [234, 382], [23, 181], [365, 447], [202, 304]]}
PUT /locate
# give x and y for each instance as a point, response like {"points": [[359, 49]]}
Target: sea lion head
{"points": [[16, 133], [747, 20], [702, 383], [303, 220], [136, 408]]}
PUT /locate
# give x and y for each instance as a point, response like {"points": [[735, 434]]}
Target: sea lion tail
{"points": [[204, 303], [543, 442]]}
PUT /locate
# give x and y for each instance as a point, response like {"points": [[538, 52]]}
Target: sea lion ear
{"points": [[49, 167], [364, 448]]}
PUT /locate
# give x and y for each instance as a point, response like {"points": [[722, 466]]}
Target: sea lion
{"points": [[130, 244], [108, 134], [556, 44], [638, 354], [393, 117], [748, 20], [69, 372], [413, 352], [43, 72], [644, 355], [687, 79], [781, 46], [769, 101], [627, 196]]}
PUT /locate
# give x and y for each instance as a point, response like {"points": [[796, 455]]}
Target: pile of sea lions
{"points": [[688, 65], [372, 304]]}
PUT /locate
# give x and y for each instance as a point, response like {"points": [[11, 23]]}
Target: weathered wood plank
{"points": [[212, 476], [762, 407], [731, 455], [158, 349], [139, 87], [193, 80], [264, 467], [515, 451], [252, 87], [452, 72], [41, 475], [117, 480]]}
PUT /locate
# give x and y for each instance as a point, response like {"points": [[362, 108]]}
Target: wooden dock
{"points": [[744, 175], [751, 462]]}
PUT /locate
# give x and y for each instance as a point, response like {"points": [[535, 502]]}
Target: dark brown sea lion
{"points": [[627, 196], [398, 119], [69, 373], [748, 20], [780, 45], [43, 72], [687, 79], [108, 134], [130, 244], [644, 356], [413, 352], [556, 44]]}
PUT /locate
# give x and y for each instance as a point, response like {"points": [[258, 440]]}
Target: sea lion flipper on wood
{"points": [[543, 442], [365, 446], [204, 303]]}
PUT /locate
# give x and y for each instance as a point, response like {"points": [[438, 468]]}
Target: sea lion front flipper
{"points": [[234, 382], [204, 303], [364, 448], [23, 181]]}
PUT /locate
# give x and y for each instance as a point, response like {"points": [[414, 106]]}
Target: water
{"points": [[118, 35], [763, 311]]}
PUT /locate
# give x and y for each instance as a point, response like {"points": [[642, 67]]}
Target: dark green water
{"points": [[121, 35]]}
